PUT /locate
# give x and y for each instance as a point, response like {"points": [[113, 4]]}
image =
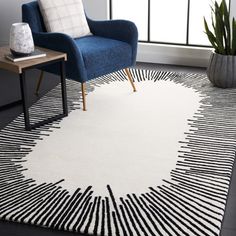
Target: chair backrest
{"points": [[31, 14]]}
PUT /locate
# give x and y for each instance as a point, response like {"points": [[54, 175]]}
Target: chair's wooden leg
{"points": [[39, 82], [130, 78], [83, 96]]}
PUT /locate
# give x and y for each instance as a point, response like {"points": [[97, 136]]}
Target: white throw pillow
{"points": [[64, 16]]}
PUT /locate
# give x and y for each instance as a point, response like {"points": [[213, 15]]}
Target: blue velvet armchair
{"points": [[111, 47]]}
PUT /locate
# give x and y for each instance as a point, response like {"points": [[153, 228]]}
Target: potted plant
{"points": [[222, 66]]}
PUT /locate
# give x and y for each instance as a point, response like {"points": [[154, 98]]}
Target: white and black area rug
{"points": [[156, 162]]}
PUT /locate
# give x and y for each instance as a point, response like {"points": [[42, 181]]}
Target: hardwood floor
{"points": [[9, 92]]}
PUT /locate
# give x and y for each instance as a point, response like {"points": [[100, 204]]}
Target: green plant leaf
{"points": [[210, 36], [212, 20], [223, 35], [226, 22], [219, 28], [233, 52]]}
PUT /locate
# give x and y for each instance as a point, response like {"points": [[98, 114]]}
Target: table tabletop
{"points": [[17, 67]]}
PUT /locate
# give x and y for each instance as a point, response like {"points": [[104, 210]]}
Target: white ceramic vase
{"points": [[21, 39]]}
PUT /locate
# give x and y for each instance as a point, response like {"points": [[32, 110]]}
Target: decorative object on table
{"points": [[221, 70], [21, 40], [35, 54], [163, 171], [111, 47]]}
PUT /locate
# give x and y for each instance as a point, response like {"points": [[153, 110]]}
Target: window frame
{"points": [[187, 44]]}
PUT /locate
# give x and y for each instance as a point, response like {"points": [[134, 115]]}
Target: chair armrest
{"points": [[122, 30], [63, 43]]}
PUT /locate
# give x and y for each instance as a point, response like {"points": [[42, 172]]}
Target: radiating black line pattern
{"points": [[190, 203]]}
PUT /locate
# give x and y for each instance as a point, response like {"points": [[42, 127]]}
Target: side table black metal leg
{"points": [[24, 101], [63, 88]]}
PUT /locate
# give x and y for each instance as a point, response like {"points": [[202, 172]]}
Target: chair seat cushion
{"points": [[104, 55]]}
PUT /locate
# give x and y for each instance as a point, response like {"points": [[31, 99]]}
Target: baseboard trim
{"points": [[175, 55], [3, 43]]}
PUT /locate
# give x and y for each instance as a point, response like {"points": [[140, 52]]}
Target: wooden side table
{"points": [[21, 67]]}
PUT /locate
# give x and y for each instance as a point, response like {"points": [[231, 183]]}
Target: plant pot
{"points": [[21, 40], [222, 70]]}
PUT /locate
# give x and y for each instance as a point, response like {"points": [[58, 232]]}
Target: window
{"points": [[134, 10], [177, 22]]}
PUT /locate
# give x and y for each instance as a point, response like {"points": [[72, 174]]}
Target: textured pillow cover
{"points": [[64, 16]]}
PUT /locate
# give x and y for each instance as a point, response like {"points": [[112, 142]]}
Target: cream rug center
{"points": [[127, 140]]}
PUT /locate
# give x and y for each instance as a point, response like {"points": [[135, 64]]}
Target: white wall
{"points": [[175, 55], [10, 12], [97, 9], [233, 8]]}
